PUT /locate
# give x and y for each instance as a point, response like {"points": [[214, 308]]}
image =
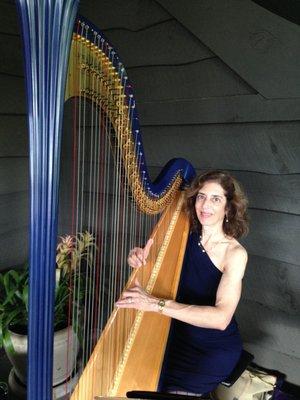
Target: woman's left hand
{"points": [[137, 298]]}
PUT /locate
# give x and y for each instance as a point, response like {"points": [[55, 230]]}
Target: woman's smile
{"points": [[205, 214]]}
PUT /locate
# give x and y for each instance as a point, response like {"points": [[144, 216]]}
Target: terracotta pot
{"points": [[66, 347]]}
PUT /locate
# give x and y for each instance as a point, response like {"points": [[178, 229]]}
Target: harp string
{"points": [[104, 212], [81, 206], [77, 150]]}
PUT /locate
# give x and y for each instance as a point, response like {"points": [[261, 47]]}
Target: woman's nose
{"points": [[205, 202]]}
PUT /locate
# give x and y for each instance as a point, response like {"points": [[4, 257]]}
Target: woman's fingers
{"points": [[136, 297], [128, 302], [130, 297], [134, 261], [138, 256], [136, 293], [127, 293]]}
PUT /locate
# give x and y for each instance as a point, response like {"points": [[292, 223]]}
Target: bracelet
{"points": [[161, 303]]}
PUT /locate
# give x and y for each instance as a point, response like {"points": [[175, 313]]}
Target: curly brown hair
{"points": [[238, 221]]}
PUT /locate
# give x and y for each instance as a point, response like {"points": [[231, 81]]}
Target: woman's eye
{"points": [[216, 200], [200, 197]]}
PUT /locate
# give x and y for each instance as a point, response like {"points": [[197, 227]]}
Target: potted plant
{"points": [[74, 255]]}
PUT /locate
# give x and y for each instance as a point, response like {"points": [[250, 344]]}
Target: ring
{"points": [[129, 299]]}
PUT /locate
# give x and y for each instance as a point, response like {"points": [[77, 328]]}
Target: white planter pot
{"points": [[66, 347]]}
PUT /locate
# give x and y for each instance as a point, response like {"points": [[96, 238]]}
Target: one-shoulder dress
{"points": [[198, 359]]}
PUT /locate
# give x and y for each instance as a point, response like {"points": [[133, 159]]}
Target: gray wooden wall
{"points": [[13, 143], [217, 82]]}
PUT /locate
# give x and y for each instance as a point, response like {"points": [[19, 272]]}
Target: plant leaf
{"points": [[10, 294], [15, 275], [1, 331], [12, 315], [25, 297], [8, 343]]}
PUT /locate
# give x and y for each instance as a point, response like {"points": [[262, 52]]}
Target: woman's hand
{"points": [[138, 256], [137, 298]]}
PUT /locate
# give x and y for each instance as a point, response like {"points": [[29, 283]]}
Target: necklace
{"points": [[202, 247], [200, 244]]}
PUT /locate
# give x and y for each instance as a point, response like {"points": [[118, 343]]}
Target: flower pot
{"points": [[65, 351]]}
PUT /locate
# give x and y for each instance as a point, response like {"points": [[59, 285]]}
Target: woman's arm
{"points": [[217, 316]]}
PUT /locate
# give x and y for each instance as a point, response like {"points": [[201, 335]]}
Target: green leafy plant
{"points": [[74, 255], [13, 302]]}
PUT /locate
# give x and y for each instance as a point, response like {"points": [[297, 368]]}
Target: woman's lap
{"points": [[202, 374]]}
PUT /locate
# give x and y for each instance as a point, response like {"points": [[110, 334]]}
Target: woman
{"points": [[204, 343]]}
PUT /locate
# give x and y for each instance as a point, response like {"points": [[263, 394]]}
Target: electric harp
{"points": [[107, 196]]}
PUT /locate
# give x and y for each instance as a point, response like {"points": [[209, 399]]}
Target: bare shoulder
{"points": [[236, 257], [236, 250]]}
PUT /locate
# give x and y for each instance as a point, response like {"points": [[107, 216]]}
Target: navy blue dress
{"points": [[198, 359]]}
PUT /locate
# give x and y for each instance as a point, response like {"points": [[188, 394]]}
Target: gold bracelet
{"points": [[161, 303]]}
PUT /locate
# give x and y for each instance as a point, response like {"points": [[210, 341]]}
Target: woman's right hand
{"points": [[138, 256]]}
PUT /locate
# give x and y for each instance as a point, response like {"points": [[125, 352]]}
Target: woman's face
{"points": [[210, 204]]}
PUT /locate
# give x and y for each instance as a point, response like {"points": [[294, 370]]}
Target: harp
{"points": [[125, 350]]}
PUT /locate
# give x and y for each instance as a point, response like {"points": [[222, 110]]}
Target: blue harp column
{"points": [[47, 29]]}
